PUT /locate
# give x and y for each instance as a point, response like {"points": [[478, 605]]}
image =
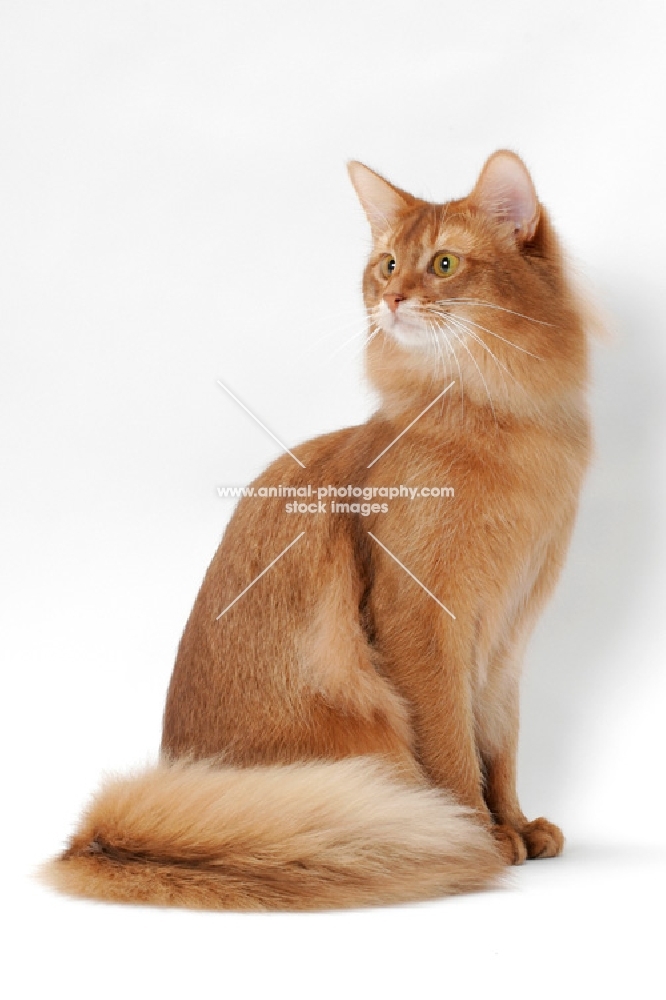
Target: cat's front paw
{"points": [[510, 843], [542, 839]]}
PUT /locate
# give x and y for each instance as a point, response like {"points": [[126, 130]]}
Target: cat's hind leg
{"points": [[352, 708]]}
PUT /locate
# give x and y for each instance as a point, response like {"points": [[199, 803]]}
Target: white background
{"points": [[175, 210]]}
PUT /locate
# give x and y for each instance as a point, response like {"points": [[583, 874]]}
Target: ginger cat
{"points": [[344, 733]]}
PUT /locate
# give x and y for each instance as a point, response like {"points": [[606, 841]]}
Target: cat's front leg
{"points": [[426, 656], [498, 737], [497, 711], [541, 838]]}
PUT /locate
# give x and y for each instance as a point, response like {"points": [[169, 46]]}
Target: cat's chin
{"points": [[411, 336]]}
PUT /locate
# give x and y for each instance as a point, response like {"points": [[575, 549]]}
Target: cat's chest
{"points": [[452, 481], [453, 513]]}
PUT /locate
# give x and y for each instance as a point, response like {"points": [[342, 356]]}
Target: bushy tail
{"points": [[296, 837]]}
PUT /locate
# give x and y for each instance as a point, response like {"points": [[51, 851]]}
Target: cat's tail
{"points": [[297, 837]]}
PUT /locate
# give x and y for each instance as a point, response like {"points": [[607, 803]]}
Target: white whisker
{"points": [[493, 305], [481, 375], [460, 374], [439, 354], [463, 324], [373, 330], [523, 350], [475, 337], [335, 332], [359, 333]]}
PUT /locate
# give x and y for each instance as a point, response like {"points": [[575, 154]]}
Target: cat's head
{"points": [[472, 290]]}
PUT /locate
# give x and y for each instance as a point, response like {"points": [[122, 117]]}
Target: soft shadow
{"points": [[612, 854], [569, 671]]}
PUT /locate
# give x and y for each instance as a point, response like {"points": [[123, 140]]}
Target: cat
{"points": [[342, 720]]}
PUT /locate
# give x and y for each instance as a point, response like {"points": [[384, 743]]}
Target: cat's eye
{"points": [[445, 264], [387, 266]]}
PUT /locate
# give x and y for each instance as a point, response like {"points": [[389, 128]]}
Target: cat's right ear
{"points": [[505, 191], [381, 201]]}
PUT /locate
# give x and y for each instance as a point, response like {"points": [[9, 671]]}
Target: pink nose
{"points": [[392, 301]]}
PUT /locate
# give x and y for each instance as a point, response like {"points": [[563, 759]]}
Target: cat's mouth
{"points": [[407, 327]]}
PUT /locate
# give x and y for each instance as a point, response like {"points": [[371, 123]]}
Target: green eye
{"points": [[445, 264], [387, 266]]}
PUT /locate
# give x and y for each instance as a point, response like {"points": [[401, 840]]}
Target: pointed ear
{"points": [[381, 201], [505, 191]]}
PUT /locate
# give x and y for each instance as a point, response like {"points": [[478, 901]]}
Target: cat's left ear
{"points": [[505, 191], [381, 201]]}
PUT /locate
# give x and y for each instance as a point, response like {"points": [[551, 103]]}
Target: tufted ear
{"points": [[505, 191], [381, 201]]}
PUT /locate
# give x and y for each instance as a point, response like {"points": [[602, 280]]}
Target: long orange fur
{"points": [[336, 738]]}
